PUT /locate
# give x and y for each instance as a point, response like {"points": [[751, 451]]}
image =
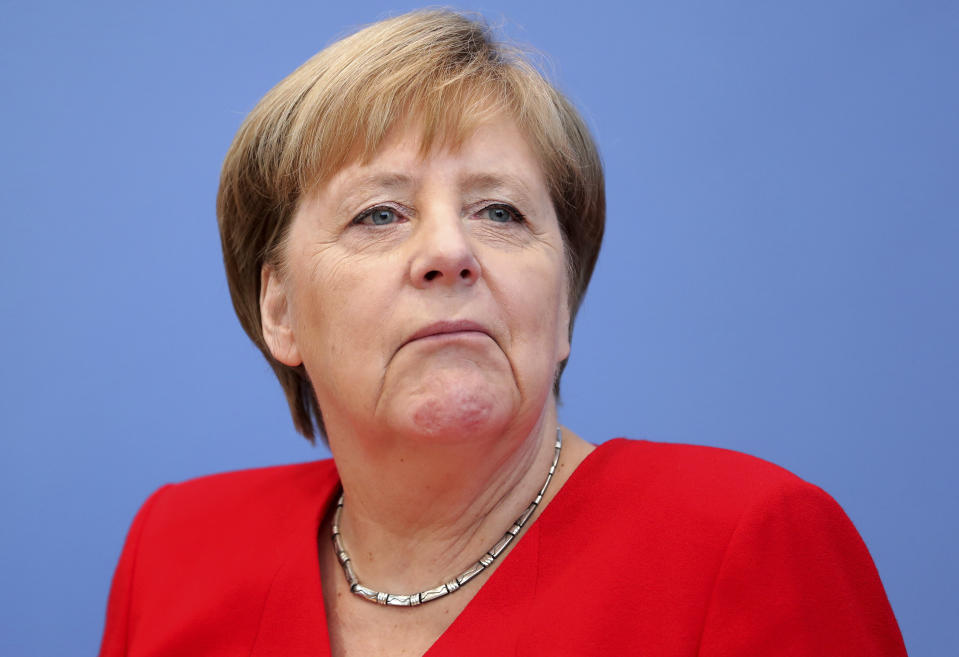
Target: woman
{"points": [[409, 223]]}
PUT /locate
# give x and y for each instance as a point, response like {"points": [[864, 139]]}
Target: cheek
{"points": [[330, 310], [534, 300], [346, 310]]}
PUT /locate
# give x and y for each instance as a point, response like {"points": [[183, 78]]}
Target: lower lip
{"points": [[453, 335]]}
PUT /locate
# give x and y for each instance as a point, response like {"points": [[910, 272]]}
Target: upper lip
{"points": [[454, 326]]}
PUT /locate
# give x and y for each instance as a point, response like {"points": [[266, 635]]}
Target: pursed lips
{"points": [[448, 327]]}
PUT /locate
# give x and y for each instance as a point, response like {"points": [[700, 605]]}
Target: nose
{"points": [[443, 254]]}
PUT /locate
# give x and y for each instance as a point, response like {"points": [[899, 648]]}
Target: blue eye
{"points": [[381, 216], [502, 214]]}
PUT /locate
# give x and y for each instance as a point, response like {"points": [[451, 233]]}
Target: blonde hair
{"points": [[441, 68]]}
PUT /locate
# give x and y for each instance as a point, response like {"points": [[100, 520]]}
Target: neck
{"points": [[416, 512]]}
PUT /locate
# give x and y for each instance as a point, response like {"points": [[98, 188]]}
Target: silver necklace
{"points": [[413, 599]]}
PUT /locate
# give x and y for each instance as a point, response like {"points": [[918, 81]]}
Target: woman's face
{"points": [[426, 295]]}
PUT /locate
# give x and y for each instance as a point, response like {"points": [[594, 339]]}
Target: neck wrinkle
{"points": [[405, 539]]}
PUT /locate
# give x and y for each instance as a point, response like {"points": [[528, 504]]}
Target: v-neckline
{"points": [[295, 595]]}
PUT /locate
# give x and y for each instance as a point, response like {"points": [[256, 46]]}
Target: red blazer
{"points": [[649, 549]]}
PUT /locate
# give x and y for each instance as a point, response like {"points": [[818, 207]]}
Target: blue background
{"points": [[779, 275]]}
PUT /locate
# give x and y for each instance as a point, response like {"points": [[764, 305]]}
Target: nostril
{"points": [[466, 273], [430, 275]]}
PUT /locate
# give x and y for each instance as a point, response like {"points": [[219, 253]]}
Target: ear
{"points": [[275, 318]]}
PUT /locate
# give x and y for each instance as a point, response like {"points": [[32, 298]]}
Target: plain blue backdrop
{"points": [[779, 276]]}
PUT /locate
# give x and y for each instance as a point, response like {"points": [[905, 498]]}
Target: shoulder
{"points": [[236, 507], [702, 481], [251, 489], [690, 461], [671, 499], [200, 556], [732, 554], [703, 496]]}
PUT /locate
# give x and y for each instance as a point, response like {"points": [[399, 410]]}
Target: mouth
{"points": [[439, 329]]}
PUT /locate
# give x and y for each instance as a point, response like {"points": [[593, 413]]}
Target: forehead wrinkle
{"points": [[372, 183]]}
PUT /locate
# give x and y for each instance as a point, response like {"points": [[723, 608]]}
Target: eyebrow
{"points": [[375, 182], [471, 183], [494, 182], [385, 181]]}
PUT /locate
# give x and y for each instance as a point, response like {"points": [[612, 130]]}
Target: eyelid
{"points": [[401, 213], [519, 217]]}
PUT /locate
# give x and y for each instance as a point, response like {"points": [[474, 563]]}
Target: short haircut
{"points": [[446, 70]]}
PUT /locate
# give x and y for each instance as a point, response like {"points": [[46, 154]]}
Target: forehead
{"points": [[495, 156]]}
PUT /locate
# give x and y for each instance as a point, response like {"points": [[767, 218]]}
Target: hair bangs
{"points": [[443, 104]]}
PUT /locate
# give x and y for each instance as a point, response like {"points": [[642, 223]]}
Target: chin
{"points": [[458, 414], [452, 403]]}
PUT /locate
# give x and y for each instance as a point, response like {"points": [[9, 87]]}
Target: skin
{"points": [[427, 298]]}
